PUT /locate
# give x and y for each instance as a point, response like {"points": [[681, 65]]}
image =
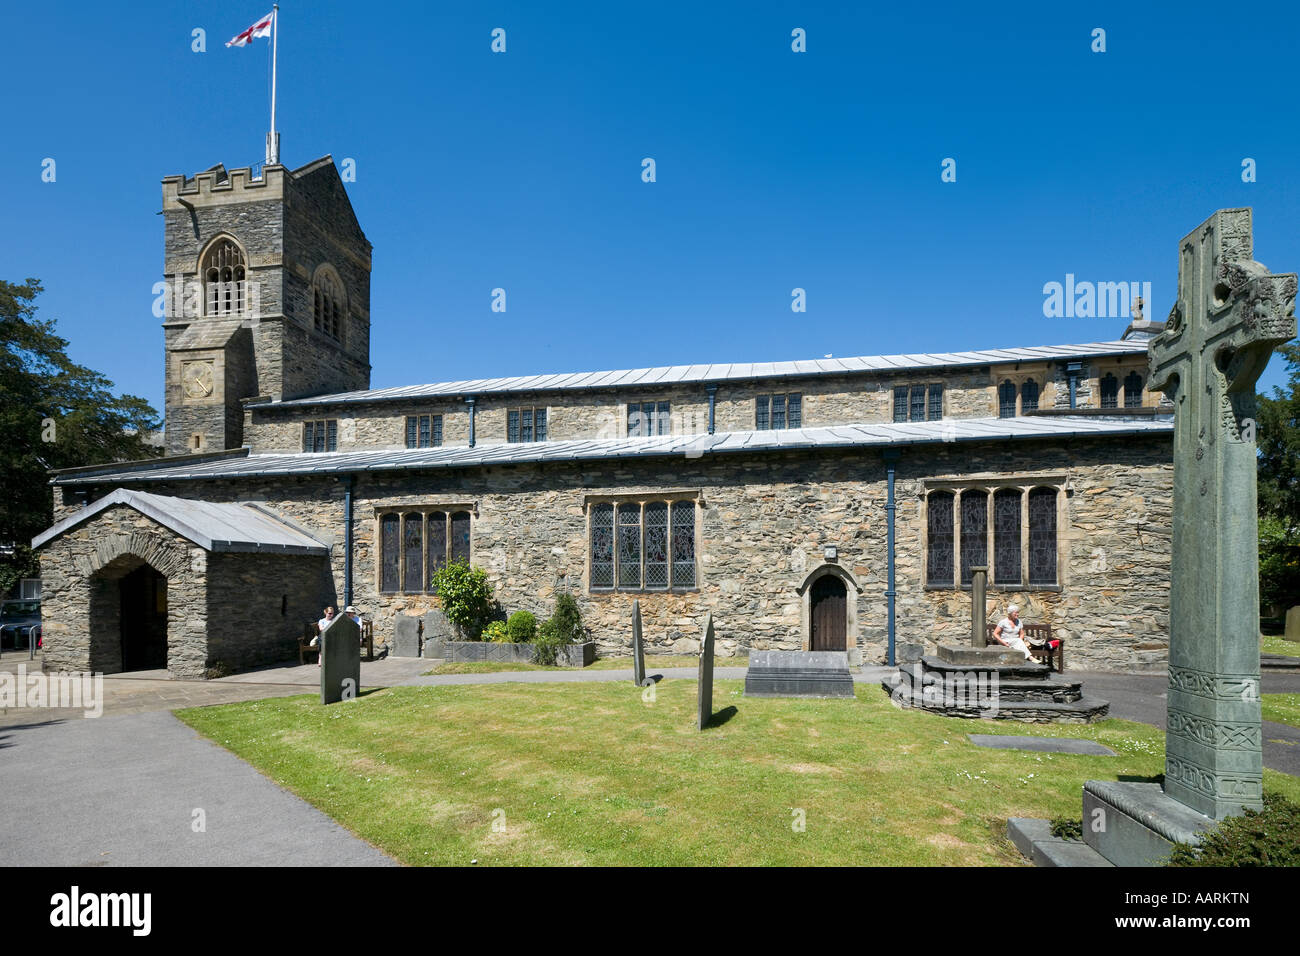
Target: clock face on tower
{"points": [[197, 380]]}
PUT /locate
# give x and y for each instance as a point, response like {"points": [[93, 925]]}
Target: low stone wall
{"points": [[573, 655]]}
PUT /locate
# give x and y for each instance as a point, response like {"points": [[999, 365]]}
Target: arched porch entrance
{"points": [[128, 616]]}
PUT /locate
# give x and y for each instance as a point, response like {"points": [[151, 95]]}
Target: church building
{"points": [[762, 493]]}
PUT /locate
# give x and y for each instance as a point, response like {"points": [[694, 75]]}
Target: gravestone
{"points": [[436, 634], [406, 636], [340, 661], [638, 649], [798, 674], [1229, 315], [704, 682], [1292, 631]]}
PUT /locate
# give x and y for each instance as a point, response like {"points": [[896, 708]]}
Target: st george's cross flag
{"points": [[262, 28]]}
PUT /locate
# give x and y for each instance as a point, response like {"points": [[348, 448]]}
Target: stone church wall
{"points": [[764, 524]]}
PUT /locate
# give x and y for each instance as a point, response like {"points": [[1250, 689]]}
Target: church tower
{"points": [[268, 295]]}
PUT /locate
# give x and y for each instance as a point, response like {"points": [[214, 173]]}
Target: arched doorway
{"points": [[829, 609], [128, 616], [143, 597]]}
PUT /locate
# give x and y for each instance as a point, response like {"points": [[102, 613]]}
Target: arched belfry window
{"points": [[1133, 390], [329, 306], [1109, 391], [224, 278]]}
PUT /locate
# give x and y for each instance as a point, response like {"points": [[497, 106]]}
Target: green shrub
{"points": [[522, 627], [568, 619], [563, 627], [1268, 837], [496, 631], [466, 597]]}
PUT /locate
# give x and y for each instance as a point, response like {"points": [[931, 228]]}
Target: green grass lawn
{"points": [[655, 661], [595, 774], [1277, 644], [1283, 708]]}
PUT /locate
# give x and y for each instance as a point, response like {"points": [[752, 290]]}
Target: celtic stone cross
{"points": [[1230, 313]]}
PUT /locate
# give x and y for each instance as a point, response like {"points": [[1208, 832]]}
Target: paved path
{"points": [[123, 791]]}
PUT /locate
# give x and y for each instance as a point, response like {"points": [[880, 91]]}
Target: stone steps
{"points": [[1034, 839]]}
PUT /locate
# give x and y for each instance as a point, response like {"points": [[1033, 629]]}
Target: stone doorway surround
{"points": [[852, 592]]}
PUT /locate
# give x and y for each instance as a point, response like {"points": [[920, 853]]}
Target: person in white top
{"points": [[321, 627], [1009, 632]]}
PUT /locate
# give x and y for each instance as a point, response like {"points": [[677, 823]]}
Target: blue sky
{"points": [[775, 170]]}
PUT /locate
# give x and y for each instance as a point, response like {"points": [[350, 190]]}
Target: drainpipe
{"points": [[347, 540], [713, 397], [891, 460], [470, 402]]}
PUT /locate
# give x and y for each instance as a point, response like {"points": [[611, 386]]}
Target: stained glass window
{"points": [[1109, 391], [939, 538], [413, 553], [900, 403], [602, 546], [683, 544], [761, 405], [974, 532], [1028, 395], [1042, 536], [390, 553], [629, 546], [1007, 399], [1133, 390], [936, 402], [460, 526], [1006, 537], [656, 545], [437, 543], [794, 410]]}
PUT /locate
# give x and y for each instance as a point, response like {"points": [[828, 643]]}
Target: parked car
{"points": [[20, 622]]}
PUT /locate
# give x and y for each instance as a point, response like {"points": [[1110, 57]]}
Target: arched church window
{"points": [[1042, 536], [1028, 396], [939, 539], [1109, 391], [1133, 390], [1006, 536], [1007, 399], [328, 305], [974, 532], [224, 278]]}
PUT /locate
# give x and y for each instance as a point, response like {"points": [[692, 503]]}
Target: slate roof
{"points": [[210, 525], [208, 334], [596, 449], [682, 374]]}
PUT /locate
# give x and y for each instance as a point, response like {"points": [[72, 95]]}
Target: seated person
{"points": [[1010, 631]]}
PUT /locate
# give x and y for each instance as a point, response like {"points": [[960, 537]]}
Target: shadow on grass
{"points": [[721, 717]]}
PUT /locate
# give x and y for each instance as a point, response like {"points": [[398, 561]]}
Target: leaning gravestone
{"points": [[638, 649], [704, 683], [340, 661], [1230, 314]]}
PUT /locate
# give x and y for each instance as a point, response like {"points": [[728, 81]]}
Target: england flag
{"points": [[262, 28]]}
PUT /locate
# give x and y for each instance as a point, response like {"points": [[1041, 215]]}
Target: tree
{"points": [[53, 414], [1278, 439]]}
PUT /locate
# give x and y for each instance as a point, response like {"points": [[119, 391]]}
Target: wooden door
{"points": [[829, 610]]}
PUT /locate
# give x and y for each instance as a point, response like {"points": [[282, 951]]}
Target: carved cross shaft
{"points": [[1230, 314]]}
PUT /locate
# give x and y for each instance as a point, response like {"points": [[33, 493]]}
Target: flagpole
{"points": [[273, 141]]}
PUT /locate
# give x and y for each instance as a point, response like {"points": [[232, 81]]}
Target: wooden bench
{"points": [[310, 630], [1039, 638]]}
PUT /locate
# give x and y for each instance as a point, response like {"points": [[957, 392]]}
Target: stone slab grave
{"points": [[406, 636], [1230, 314], [340, 661], [991, 682], [798, 674], [1047, 745], [638, 648], [704, 678], [1292, 630]]}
